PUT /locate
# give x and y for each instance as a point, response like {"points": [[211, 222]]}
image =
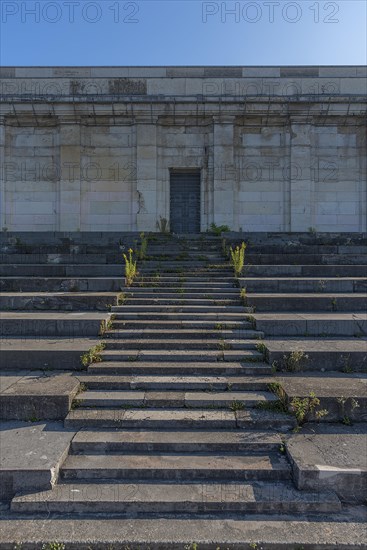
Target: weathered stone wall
{"points": [[91, 148]]}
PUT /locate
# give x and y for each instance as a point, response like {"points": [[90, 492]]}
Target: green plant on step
{"points": [[76, 404], [294, 361], [142, 252], [162, 225], [243, 295], [238, 258], [34, 418], [106, 324], [345, 418], [305, 408], [54, 546], [93, 355], [347, 367], [334, 304], [218, 229], [121, 299], [223, 345], [274, 367], [261, 348], [225, 249], [280, 405], [237, 406], [130, 267]]}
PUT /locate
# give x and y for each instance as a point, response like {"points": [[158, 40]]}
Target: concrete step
{"points": [[323, 354], [114, 337], [182, 382], [199, 310], [199, 441], [175, 466], [178, 323], [206, 284], [61, 353], [345, 530], [62, 270], [189, 292], [147, 314], [164, 355], [312, 324], [177, 419], [187, 277], [177, 498], [299, 270], [302, 284], [110, 399], [176, 344], [174, 299], [174, 355], [74, 324], [60, 301], [306, 259], [209, 368], [62, 284], [307, 302]]}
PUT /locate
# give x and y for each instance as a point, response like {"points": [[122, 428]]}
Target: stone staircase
{"points": [[176, 417], [174, 434]]}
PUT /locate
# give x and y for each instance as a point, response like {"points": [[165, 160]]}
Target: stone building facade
{"points": [[120, 148]]}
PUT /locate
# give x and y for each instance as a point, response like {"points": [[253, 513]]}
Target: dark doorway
{"points": [[185, 202]]}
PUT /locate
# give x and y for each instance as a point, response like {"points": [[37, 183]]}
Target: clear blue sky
{"points": [[183, 32]]}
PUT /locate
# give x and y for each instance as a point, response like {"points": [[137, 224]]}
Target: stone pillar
{"points": [[224, 172], [2, 174], [301, 188], [146, 174], [69, 194]]}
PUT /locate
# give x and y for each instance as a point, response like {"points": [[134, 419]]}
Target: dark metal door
{"points": [[185, 202]]}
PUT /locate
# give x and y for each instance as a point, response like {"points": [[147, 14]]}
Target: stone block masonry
{"points": [[92, 148]]}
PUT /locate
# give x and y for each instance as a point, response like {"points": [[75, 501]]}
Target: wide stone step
{"points": [[200, 311], [51, 324], [162, 284], [175, 466], [307, 302], [189, 292], [110, 399], [199, 441], [298, 270], [62, 270], [306, 259], [323, 354], [61, 301], [149, 314], [164, 355], [345, 530], [178, 323], [113, 337], [182, 382], [302, 284], [177, 344], [176, 419], [208, 368], [163, 299], [168, 278], [62, 284], [28, 353], [312, 324], [254, 497]]}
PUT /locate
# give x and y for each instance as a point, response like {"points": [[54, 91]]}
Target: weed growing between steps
{"points": [[295, 361], [343, 415], [238, 258], [93, 355], [130, 267], [304, 409], [106, 325]]}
